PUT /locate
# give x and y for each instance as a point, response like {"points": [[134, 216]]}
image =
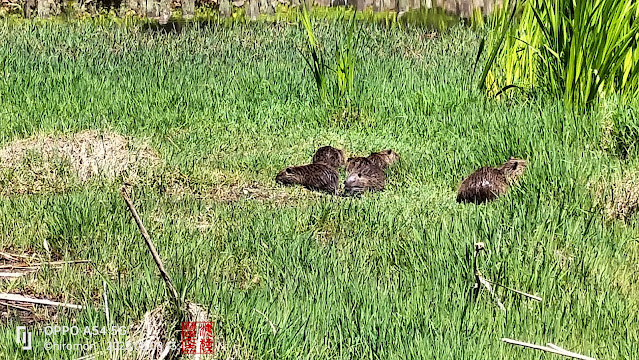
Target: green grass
{"points": [[385, 276], [558, 46]]}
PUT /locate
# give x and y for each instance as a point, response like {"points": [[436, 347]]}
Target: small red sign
{"points": [[198, 337]]}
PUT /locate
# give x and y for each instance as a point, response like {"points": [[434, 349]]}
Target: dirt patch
{"points": [[55, 163], [178, 185], [230, 193]]}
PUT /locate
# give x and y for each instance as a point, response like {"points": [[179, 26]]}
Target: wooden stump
{"points": [[44, 9], [225, 8], [146, 7], [133, 5], [188, 9], [29, 6], [253, 9], [358, 4], [164, 11], [402, 6], [266, 7]]}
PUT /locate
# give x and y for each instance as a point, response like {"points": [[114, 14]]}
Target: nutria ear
{"points": [[288, 170]]}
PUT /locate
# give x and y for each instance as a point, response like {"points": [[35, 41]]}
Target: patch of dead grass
{"points": [[152, 329], [618, 196], [56, 163]]}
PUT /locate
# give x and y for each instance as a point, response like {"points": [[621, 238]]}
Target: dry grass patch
{"points": [[152, 330], [51, 163], [618, 196]]}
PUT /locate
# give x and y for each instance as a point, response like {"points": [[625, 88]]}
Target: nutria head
{"points": [[355, 183], [384, 158], [288, 176], [330, 156], [363, 175], [513, 168]]}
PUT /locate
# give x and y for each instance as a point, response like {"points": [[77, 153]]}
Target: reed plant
{"points": [[340, 76], [580, 50]]}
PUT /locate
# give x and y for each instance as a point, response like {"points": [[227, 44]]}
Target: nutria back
{"points": [[363, 175], [384, 158], [330, 156], [488, 183], [318, 177], [354, 162]]}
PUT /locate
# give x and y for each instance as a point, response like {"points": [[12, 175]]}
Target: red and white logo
{"points": [[198, 337]]}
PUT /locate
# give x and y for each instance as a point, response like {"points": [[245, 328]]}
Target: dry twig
{"points": [[20, 298], [552, 348], [167, 280]]}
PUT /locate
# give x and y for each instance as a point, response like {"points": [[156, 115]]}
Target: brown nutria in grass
{"points": [[330, 156], [319, 177], [353, 162], [363, 175], [488, 183], [384, 158]]}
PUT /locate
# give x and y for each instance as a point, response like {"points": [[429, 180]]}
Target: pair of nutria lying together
{"points": [[363, 173]]}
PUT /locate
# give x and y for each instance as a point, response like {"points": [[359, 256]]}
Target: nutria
{"points": [[488, 183], [352, 162], [320, 177], [384, 158], [330, 156], [363, 175]]}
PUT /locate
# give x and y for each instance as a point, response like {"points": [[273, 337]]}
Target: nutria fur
{"points": [[353, 162], [330, 156], [384, 158], [363, 175], [488, 183], [319, 177]]}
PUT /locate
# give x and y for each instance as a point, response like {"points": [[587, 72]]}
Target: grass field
{"points": [[385, 276]]}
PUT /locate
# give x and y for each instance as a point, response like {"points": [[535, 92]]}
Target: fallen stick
{"points": [[165, 276], [15, 306], [8, 256], [20, 298], [552, 349], [11, 274], [568, 353], [479, 278], [39, 265], [534, 297]]}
